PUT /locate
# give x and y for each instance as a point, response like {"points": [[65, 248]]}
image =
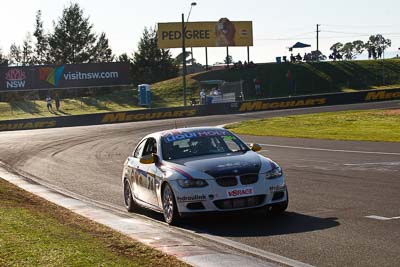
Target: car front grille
{"points": [[237, 203], [245, 179], [248, 179], [226, 181]]}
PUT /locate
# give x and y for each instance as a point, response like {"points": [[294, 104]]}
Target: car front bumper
{"points": [[216, 198]]}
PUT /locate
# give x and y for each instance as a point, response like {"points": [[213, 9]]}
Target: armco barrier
{"points": [[203, 110]]}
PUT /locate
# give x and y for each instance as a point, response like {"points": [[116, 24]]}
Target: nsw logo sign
{"points": [[15, 78]]}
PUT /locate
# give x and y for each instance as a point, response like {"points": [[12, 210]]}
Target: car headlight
{"points": [[187, 183], [274, 173]]}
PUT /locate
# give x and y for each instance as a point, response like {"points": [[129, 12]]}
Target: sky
{"points": [[276, 24]]}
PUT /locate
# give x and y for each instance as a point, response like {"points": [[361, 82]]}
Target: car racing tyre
{"points": [[170, 209], [279, 208], [130, 204]]}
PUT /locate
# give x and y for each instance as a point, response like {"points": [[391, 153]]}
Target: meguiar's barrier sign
{"points": [[64, 76], [203, 110], [220, 33]]}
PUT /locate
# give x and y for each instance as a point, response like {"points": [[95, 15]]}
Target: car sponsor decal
{"points": [[191, 198], [383, 95], [181, 172], [172, 136], [126, 117], [260, 105], [229, 165], [27, 125], [239, 192]]}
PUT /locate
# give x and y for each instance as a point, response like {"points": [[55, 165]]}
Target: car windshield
{"points": [[177, 145]]}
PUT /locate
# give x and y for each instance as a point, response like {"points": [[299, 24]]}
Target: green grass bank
{"points": [[34, 232], [371, 125]]}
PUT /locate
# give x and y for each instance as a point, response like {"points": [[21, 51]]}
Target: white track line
{"points": [[374, 163], [335, 150], [381, 218]]}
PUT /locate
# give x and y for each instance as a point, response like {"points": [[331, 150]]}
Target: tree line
{"points": [[375, 46], [73, 40]]}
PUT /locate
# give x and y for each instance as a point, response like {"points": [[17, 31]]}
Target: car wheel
{"points": [[279, 208], [170, 210], [130, 204]]}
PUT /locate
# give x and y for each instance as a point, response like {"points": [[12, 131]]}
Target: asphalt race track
{"points": [[333, 185]]}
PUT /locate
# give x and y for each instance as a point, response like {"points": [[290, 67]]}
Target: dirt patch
{"points": [[392, 112]]}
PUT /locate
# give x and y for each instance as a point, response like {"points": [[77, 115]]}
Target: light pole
{"points": [[184, 51]]}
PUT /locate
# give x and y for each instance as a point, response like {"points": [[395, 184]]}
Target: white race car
{"points": [[188, 171]]}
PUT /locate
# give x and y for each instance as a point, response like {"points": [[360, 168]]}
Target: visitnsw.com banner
{"points": [[64, 76]]}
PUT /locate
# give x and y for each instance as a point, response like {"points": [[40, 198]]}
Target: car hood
{"points": [[224, 164]]}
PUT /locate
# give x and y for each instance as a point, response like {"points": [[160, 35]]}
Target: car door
{"points": [[133, 169], [147, 178]]}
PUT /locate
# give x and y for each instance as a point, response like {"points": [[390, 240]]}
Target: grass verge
{"points": [[34, 232], [371, 125]]}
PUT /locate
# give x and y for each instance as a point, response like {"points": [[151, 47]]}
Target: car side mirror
{"points": [[255, 147], [148, 159], [156, 158]]}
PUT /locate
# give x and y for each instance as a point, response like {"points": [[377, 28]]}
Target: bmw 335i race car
{"points": [[187, 171]]}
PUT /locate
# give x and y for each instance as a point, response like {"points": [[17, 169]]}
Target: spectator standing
{"points": [[290, 80], [48, 101], [202, 97], [57, 99], [257, 86]]}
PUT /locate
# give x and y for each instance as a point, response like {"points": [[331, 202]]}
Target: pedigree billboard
{"points": [[206, 34]]}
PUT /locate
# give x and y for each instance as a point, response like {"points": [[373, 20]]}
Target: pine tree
{"points": [[42, 55], [151, 64], [3, 59], [102, 51], [27, 51], [15, 55], [73, 40], [124, 58]]}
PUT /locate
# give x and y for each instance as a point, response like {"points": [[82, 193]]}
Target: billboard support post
{"points": [[206, 59], [227, 57], [184, 51], [248, 54], [183, 60]]}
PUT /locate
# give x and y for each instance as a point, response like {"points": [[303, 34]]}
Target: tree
{"points": [[359, 46], [228, 59], [27, 51], [376, 46], [351, 49], [124, 58], [42, 55], [3, 59], [151, 64], [102, 51], [347, 51], [73, 40], [179, 58], [15, 55], [336, 48]]}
